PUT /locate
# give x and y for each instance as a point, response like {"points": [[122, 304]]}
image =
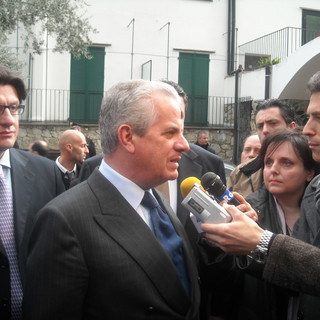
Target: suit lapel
{"points": [[22, 178], [188, 168], [121, 222]]}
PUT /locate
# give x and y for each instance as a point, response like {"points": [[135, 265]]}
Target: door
{"points": [[194, 79], [86, 87]]}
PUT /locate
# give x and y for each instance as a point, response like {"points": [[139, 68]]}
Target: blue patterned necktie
{"points": [[8, 241], [167, 236]]}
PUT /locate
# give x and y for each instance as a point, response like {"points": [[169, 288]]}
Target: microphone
{"points": [[213, 184], [187, 184], [200, 203]]}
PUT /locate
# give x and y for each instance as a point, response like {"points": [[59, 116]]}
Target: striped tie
{"points": [[8, 241]]}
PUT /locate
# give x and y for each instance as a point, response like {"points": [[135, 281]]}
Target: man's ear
{"points": [[69, 147], [292, 125], [125, 136]]}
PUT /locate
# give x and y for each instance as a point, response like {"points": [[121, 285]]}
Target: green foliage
{"points": [[62, 19], [8, 57], [263, 62]]}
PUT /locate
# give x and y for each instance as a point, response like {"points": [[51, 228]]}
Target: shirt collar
{"points": [[5, 159], [63, 169], [129, 190]]}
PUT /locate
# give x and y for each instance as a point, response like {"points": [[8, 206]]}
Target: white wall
{"points": [[194, 25], [256, 18]]}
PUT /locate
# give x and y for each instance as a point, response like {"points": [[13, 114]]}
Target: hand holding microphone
{"points": [[213, 184]]}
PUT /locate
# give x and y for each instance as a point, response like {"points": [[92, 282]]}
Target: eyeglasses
{"points": [[15, 109]]}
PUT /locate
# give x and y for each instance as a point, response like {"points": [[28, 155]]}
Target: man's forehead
{"points": [[269, 115], [314, 104]]}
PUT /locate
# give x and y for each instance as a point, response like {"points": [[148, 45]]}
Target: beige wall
{"points": [[28, 133], [220, 140]]}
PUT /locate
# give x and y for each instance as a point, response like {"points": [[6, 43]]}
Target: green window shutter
{"points": [[194, 78], [86, 87]]}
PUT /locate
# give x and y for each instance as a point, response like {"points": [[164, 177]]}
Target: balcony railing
{"points": [[53, 106], [47, 106], [279, 44], [212, 111]]}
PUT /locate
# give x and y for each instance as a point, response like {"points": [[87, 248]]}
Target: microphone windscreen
{"points": [[187, 184], [213, 184]]}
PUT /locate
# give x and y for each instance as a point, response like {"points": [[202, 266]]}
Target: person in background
{"points": [[288, 167], [283, 260], [103, 250], [203, 140], [251, 148], [90, 144], [271, 115], [39, 147], [27, 183], [73, 151]]}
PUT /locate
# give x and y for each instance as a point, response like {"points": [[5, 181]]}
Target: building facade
{"points": [[212, 48]]}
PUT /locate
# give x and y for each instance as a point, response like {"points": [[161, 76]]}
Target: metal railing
{"points": [[221, 111], [47, 106], [53, 106], [278, 44]]}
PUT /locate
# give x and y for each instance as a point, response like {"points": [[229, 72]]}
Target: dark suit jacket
{"points": [[35, 181], [87, 168], [195, 163], [92, 257]]}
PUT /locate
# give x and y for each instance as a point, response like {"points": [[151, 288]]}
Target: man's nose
{"points": [[6, 118]]}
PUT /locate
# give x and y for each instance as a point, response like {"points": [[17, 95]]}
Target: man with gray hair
{"points": [[111, 247], [203, 140]]}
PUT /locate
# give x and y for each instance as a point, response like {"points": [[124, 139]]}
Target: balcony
{"points": [[276, 45], [299, 55]]}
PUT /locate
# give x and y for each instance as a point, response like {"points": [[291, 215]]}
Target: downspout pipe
{"points": [[231, 35], [267, 83]]}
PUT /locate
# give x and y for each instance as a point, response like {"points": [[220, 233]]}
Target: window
{"points": [[310, 25]]}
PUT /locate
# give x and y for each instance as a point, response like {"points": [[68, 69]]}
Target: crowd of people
{"points": [[105, 236]]}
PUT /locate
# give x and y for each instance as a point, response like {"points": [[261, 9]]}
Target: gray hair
{"points": [[200, 133], [131, 103], [314, 83]]}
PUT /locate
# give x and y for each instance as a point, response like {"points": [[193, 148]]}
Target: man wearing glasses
{"points": [[27, 183]]}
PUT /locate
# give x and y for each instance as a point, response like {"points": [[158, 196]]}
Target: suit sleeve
{"points": [[293, 264], [221, 172], [54, 249]]}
